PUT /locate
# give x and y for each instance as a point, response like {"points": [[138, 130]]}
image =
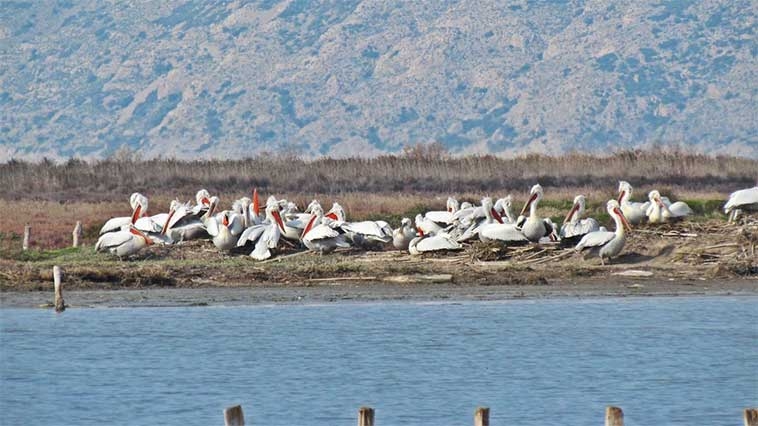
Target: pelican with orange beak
{"points": [[534, 228], [138, 203], [660, 211], [266, 235], [123, 243], [574, 227], [608, 244], [225, 228]]}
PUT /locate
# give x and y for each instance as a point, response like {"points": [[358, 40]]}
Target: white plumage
{"points": [[744, 199], [438, 242]]}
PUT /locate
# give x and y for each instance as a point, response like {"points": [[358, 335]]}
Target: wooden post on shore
{"points": [[751, 416], [233, 416], [614, 416], [482, 416], [77, 234], [365, 416], [27, 236], [60, 306]]}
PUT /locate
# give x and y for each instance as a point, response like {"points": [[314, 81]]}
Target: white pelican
{"points": [[634, 212], [296, 222], [492, 230], [426, 226], [439, 242], [608, 243], [444, 217], [658, 211], [123, 243], [138, 203], [403, 235], [320, 237], [504, 207], [266, 235], [535, 227], [744, 199], [225, 228], [574, 227]]}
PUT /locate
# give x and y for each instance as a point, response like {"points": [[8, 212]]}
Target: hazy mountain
{"points": [[359, 77]]}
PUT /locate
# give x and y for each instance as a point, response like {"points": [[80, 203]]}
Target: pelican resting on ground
{"points": [[534, 227], [574, 227], [402, 236], [123, 243], [138, 203], [491, 229], [742, 200], [320, 237], [438, 242], [634, 212], [658, 211], [266, 235], [608, 244], [225, 229]]}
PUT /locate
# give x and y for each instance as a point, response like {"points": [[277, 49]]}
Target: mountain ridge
{"points": [[364, 78]]}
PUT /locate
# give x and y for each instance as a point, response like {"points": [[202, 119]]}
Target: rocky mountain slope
{"points": [[364, 77]]}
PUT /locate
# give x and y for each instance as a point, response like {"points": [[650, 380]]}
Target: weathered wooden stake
{"points": [[77, 234], [614, 416], [27, 236], [482, 416], [751, 416], [233, 416], [365, 416], [60, 306]]}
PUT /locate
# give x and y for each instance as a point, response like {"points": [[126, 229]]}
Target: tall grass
{"points": [[113, 179]]}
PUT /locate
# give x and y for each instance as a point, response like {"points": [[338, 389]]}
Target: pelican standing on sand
{"points": [[608, 243], [744, 199], [534, 228]]}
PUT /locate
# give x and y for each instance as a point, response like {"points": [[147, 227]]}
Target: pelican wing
{"points": [[113, 239], [440, 217], [252, 234], [321, 232], [679, 209], [437, 242], [211, 225], [146, 224], [115, 224], [595, 239], [741, 199], [236, 224], [581, 227], [501, 232]]}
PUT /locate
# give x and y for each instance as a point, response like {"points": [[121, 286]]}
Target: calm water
{"points": [[665, 361]]}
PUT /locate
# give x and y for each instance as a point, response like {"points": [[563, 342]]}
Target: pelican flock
{"points": [[264, 232]]}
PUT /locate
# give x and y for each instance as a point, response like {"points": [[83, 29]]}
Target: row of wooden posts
{"points": [[76, 235], [614, 416]]}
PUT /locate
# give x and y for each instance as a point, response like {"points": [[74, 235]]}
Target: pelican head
{"points": [[273, 214], [577, 209], [452, 205], [203, 197], [655, 197], [139, 206], [625, 191], [535, 195], [405, 222], [337, 212], [614, 209]]}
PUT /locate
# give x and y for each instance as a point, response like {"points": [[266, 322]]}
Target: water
{"points": [[665, 361]]}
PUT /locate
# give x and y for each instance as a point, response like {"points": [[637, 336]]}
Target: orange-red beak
{"points": [[621, 195], [136, 214], [225, 220], [623, 219], [528, 203], [573, 210], [332, 215], [496, 215], [309, 226], [256, 202], [278, 219], [168, 220]]}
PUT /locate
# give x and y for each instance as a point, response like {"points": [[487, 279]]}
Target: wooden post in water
{"points": [[27, 236], [482, 416], [233, 416], [751, 416], [77, 234], [60, 306], [365, 416], [614, 416]]}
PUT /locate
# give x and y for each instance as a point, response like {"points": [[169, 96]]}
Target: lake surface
{"points": [[665, 361]]}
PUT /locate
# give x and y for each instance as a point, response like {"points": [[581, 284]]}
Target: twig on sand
{"points": [[281, 258], [558, 256], [318, 280]]}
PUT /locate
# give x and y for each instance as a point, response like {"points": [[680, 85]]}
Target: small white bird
{"points": [[742, 200], [123, 243]]}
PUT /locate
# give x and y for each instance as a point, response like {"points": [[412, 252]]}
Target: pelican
{"points": [[320, 237], [608, 243], [266, 235], [225, 229], [493, 230], [138, 203], [403, 235], [426, 226], [744, 199], [438, 242], [635, 213], [658, 211], [123, 243], [574, 227], [504, 207], [444, 217], [535, 227]]}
